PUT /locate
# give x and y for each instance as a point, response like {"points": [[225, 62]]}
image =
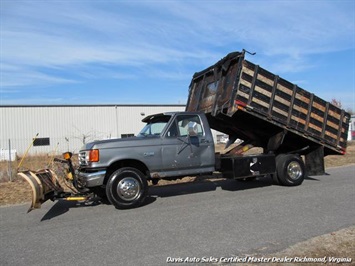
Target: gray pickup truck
{"points": [[295, 129]]}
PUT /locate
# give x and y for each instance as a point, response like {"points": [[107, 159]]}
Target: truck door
{"points": [[186, 153]]}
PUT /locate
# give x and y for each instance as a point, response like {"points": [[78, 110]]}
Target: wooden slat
{"points": [[263, 91], [315, 127], [331, 135], [317, 117], [260, 102], [300, 109], [298, 119], [248, 71], [266, 80], [333, 125], [302, 98], [284, 89], [319, 106], [281, 100], [334, 114], [280, 112], [243, 94], [245, 83]]}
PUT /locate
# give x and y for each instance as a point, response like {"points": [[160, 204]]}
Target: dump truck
{"points": [[294, 128]]}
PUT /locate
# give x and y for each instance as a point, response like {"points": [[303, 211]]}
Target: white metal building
{"points": [[351, 134], [63, 128]]}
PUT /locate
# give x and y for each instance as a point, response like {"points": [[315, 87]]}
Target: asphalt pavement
{"points": [[198, 220]]}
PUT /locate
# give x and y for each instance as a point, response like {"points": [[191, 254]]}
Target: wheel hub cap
{"points": [[294, 170], [128, 188]]}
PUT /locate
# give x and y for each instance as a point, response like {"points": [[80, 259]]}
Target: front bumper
{"points": [[91, 179]]}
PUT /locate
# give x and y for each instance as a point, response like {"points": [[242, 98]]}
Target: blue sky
{"points": [[145, 52]]}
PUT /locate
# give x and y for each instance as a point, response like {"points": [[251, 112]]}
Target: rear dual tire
{"points": [[290, 170]]}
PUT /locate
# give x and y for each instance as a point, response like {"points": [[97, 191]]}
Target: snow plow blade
{"points": [[44, 184]]}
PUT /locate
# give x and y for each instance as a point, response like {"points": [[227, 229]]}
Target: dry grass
{"points": [[348, 158], [19, 191], [15, 192], [339, 244]]}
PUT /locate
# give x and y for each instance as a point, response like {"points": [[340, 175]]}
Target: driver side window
{"points": [[180, 126]]}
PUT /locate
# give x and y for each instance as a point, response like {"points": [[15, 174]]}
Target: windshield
{"points": [[155, 126]]}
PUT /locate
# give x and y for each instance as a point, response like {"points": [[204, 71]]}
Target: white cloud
{"points": [[14, 76]]}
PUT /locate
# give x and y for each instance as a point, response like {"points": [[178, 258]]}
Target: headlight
{"points": [[89, 156]]}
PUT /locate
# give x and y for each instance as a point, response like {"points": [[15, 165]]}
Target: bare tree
{"points": [[336, 103], [350, 111]]}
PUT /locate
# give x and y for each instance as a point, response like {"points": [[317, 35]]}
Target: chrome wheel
{"points": [[294, 170], [290, 170], [128, 189]]}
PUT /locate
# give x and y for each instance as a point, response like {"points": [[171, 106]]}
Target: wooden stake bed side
{"points": [[249, 102]]}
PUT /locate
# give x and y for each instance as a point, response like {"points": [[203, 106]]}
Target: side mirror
{"points": [[192, 129]]}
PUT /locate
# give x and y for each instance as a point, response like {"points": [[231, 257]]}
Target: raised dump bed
{"points": [[248, 102]]}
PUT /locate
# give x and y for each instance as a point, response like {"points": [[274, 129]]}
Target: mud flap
{"points": [[44, 184]]}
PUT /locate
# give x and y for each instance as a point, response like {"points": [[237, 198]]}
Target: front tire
{"points": [[126, 188], [290, 169]]}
